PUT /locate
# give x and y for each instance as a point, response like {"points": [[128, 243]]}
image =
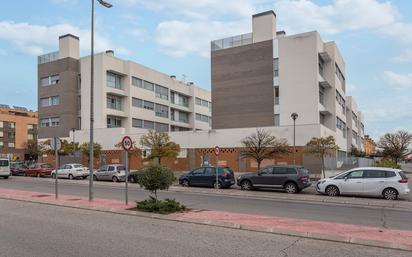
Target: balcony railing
{"points": [[50, 57], [229, 42]]}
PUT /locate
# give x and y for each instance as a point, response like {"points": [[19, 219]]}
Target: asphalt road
{"points": [[358, 215], [38, 230]]}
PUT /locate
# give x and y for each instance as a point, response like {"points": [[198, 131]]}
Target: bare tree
{"points": [[160, 145], [395, 145], [262, 145], [322, 147]]}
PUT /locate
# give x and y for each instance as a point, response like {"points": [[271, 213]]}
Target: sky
{"points": [[173, 36]]}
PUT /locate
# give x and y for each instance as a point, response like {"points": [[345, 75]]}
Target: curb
{"points": [[230, 225]]}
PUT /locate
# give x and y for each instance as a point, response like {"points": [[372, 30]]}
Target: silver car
{"points": [[71, 171], [368, 181], [111, 172]]}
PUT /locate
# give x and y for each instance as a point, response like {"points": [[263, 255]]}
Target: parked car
{"points": [[367, 181], [5, 168], [133, 176], [206, 176], [38, 170], [111, 172], [17, 168], [292, 179], [71, 171]]}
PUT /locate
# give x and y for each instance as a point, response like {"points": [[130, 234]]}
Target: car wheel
{"points": [[53, 176], [6, 177], [332, 191], [185, 183], [71, 177], [291, 188], [115, 179], [246, 185], [219, 185], [390, 194], [95, 178]]}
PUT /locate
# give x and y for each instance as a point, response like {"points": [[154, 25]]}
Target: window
{"points": [[162, 92], [148, 124], [114, 122], [172, 114], [114, 102], [355, 174], [266, 171], [184, 117], [162, 110], [147, 85], [49, 101], [138, 123], [12, 125], [30, 126], [200, 171], [1, 145], [114, 80], [161, 127], [374, 174], [136, 102], [354, 135], [340, 76], [11, 145], [340, 100], [1, 134], [50, 80], [148, 105], [11, 135], [137, 82], [172, 97], [276, 67], [277, 120], [111, 168], [198, 101], [1, 124], [30, 136], [340, 124], [205, 103], [390, 174], [201, 117], [182, 100], [355, 118], [276, 95]]}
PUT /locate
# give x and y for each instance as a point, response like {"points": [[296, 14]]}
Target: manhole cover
{"points": [[40, 195]]}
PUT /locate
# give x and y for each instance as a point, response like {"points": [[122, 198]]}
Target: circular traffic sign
{"points": [[217, 150], [127, 143]]}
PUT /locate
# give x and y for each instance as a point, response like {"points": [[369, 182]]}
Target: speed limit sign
{"points": [[127, 143], [217, 150]]}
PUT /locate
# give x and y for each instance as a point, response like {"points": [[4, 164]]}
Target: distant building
{"points": [[369, 146], [17, 126], [260, 78], [127, 95]]}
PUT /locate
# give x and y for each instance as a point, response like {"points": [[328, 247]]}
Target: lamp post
{"points": [[73, 141], [91, 141], [294, 116]]}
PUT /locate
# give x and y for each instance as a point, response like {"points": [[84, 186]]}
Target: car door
{"points": [[263, 178], [101, 172], [60, 171], [353, 183], [373, 181], [280, 175], [111, 170], [196, 177], [209, 176]]}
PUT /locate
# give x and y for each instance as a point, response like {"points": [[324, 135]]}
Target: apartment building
{"points": [[260, 78], [369, 145], [127, 95], [355, 125], [17, 126]]}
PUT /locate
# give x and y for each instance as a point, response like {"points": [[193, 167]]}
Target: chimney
{"points": [[191, 83], [173, 76], [69, 46], [110, 52], [264, 26]]}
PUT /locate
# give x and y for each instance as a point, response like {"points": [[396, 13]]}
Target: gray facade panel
{"points": [[242, 86]]}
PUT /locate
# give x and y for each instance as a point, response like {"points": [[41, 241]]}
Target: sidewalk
{"points": [[353, 234]]}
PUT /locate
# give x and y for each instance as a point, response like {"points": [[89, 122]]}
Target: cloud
{"points": [[178, 38], [399, 81], [404, 57], [350, 88], [36, 39]]}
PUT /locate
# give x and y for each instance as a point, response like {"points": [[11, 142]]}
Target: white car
{"points": [[366, 181], [71, 171], [5, 168]]}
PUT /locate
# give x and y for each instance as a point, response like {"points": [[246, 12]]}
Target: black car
{"points": [[17, 168], [133, 176], [206, 176], [292, 179]]}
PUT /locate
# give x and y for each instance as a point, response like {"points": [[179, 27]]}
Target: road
{"points": [[358, 215], [38, 230]]}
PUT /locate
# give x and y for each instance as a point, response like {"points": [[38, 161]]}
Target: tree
{"points": [[155, 177], [65, 149], [84, 148], [322, 147], [262, 145], [160, 145], [395, 145], [33, 149], [355, 152]]}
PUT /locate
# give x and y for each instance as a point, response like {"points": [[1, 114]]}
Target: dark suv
{"points": [[292, 179], [206, 176]]}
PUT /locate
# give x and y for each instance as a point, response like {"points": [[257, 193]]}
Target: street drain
{"points": [[40, 195]]}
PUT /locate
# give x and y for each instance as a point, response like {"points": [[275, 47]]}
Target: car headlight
{"points": [[239, 177]]}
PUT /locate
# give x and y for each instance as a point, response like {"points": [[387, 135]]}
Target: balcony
{"points": [[325, 57], [323, 82], [50, 57], [240, 40], [323, 110]]}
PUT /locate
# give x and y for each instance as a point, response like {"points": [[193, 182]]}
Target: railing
{"points": [[45, 58], [230, 42]]}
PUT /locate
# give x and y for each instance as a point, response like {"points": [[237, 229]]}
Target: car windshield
{"points": [[340, 176], [4, 163], [78, 166], [121, 168]]}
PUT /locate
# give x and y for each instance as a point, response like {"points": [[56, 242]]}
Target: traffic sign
{"points": [[56, 144], [217, 150], [127, 143]]}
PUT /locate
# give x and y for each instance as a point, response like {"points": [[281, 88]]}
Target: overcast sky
{"points": [[173, 36]]}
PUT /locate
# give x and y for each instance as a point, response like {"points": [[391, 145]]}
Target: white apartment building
{"points": [[127, 95]]}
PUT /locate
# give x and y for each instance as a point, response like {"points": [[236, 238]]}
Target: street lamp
{"points": [[294, 116], [74, 142], [91, 141]]}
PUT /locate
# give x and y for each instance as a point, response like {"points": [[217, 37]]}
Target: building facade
{"points": [[126, 95], [369, 146], [259, 79], [17, 126]]}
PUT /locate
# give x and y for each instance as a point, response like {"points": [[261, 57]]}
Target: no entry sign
{"points": [[127, 143], [217, 150]]}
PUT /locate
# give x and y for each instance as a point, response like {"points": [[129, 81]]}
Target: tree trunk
{"points": [[258, 163], [323, 166]]}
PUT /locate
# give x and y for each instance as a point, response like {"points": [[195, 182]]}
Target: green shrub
{"points": [[155, 177], [159, 206], [385, 163]]}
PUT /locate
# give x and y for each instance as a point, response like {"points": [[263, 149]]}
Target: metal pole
{"points": [[56, 154], [74, 142], [294, 141], [217, 171], [127, 178], [91, 144]]}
